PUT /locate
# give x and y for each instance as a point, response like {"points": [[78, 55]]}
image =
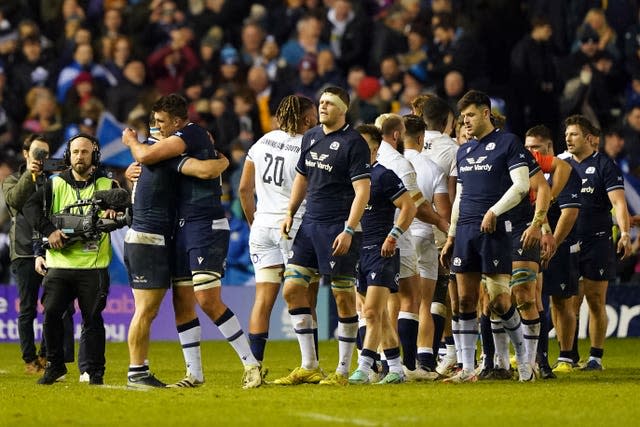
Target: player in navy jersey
{"points": [[493, 177], [560, 270], [333, 172], [380, 263], [268, 174], [201, 239], [602, 189], [148, 246]]}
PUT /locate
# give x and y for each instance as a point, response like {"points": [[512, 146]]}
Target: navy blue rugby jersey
{"points": [[198, 199], [154, 197], [377, 220], [483, 170], [599, 175], [569, 197], [331, 163], [522, 214]]}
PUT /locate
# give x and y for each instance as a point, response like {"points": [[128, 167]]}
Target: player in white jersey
{"points": [[441, 148], [407, 310], [432, 184], [268, 174]]}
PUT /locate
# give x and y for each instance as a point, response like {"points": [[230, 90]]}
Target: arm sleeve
{"points": [[515, 193], [455, 211]]}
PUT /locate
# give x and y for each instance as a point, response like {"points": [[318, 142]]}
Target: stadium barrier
{"points": [[623, 310]]}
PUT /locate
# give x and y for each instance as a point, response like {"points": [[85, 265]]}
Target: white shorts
{"points": [[408, 258], [427, 257], [268, 247]]}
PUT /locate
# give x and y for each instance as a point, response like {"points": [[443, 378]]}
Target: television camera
{"points": [[80, 221]]}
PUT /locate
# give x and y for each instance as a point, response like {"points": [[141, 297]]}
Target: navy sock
{"points": [[575, 354], [487, 341], [408, 331], [362, 331], [543, 340], [258, 342]]}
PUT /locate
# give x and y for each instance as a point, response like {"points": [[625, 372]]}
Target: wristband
{"points": [[396, 232], [546, 229], [348, 230], [290, 214]]}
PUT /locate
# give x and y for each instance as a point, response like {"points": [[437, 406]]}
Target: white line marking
{"points": [[330, 418]]}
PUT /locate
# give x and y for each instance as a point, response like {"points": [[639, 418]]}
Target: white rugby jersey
{"points": [[275, 156], [442, 150], [431, 180]]}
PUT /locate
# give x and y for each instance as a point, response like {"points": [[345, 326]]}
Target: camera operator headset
{"points": [[78, 268]]}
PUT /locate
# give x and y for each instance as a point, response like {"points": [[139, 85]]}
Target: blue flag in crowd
{"points": [[112, 151]]}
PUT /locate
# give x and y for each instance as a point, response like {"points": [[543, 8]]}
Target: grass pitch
{"points": [[608, 398]]}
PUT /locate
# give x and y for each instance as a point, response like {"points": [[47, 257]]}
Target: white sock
{"points": [[190, 334], [468, 340], [455, 333], [501, 344], [512, 324], [365, 362], [347, 333], [302, 325], [531, 333], [230, 328]]}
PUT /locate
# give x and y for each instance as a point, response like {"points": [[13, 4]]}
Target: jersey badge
{"points": [[334, 145], [457, 261], [490, 146], [590, 170]]}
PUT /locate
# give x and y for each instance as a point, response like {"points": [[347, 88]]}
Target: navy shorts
{"points": [[374, 269], [597, 258], [148, 266], [521, 254], [560, 279], [312, 249], [200, 247], [476, 252]]}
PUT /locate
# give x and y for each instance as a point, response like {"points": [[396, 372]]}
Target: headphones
{"points": [[95, 156]]}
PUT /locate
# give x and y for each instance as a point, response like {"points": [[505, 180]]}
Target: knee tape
{"points": [[298, 275], [525, 305], [342, 283], [520, 276], [182, 281], [497, 286], [269, 275], [205, 280], [439, 309]]}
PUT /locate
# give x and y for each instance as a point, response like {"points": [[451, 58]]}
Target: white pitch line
{"points": [[330, 418]]}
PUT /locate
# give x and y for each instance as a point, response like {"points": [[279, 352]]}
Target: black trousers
{"points": [[28, 281], [91, 288]]}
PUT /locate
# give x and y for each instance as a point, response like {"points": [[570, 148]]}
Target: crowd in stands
{"points": [[65, 62]]}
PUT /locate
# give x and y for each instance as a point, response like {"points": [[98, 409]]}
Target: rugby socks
{"points": [[500, 344], [468, 338], [450, 347], [543, 340], [303, 326], [426, 359], [531, 334], [230, 328], [455, 335], [565, 356], [347, 333], [575, 354], [314, 326], [486, 335], [596, 354], [362, 331], [190, 334], [137, 369], [438, 329], [258, 342], [366, 360], [512, 324], [393, 360], [408, 332]]}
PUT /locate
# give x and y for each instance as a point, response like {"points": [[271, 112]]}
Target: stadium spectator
{"points": [[131, 90], [168, 65], [82, 61], [44, 116], [387, 38], [307, 40], [252, 38], [345, 31], [308, 82]]}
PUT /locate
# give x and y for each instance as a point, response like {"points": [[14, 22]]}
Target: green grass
{"points": [[608, 398]]}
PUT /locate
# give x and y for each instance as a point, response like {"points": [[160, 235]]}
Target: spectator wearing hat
{"points": [[369, 104], [571, 66], [308, 83], [169, 64], [231, 72], [597, 20]]}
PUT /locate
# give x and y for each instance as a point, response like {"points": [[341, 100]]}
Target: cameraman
{"points": [[76, 269]]}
